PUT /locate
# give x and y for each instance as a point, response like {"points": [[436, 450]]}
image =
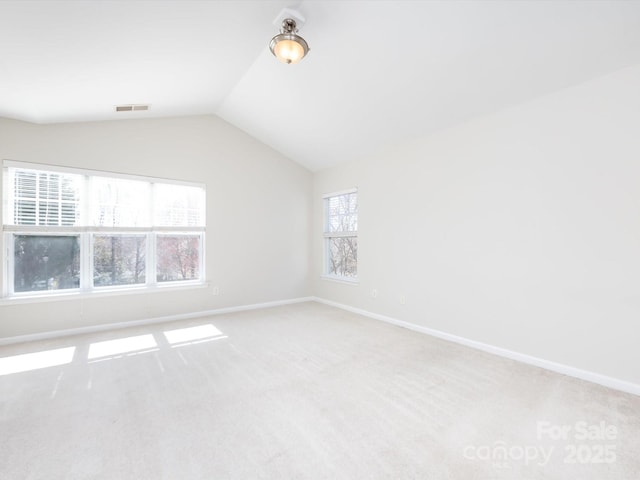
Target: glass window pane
{"points": [[46, 262], [118, 202], [178, 257], [178, 206], [342, 213], [119, 260], [343, 256]]}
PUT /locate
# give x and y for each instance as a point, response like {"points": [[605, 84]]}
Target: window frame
{"points": [[86, 232], [328, 236]]}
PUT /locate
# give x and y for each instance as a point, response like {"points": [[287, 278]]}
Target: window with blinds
{"points": [[69, 229], [43, 198], [341, 235], [178, 206]]}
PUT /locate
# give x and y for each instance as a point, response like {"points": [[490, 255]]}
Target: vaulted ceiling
{"points": [[378, 72]]}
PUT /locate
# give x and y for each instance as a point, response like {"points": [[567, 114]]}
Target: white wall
{"points": [[520, 230], [258, 209]]}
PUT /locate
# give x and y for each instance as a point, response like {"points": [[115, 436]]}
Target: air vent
{"points": [[131, 108]]}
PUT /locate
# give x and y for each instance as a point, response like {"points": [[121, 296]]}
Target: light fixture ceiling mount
{"points": [[288, 46]]}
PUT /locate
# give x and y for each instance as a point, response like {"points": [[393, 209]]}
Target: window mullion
{"points": [[152, 204], [60, 200], [86, 262], [340, 234], [151, 259], [202, 258], [152, 279], [8, 254], [37, 200], [85, 202], [86, 238]]}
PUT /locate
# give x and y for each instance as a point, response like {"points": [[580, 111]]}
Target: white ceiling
{"points": [[378, 71]]}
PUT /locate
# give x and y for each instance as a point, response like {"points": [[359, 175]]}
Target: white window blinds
{"points": [[178, 206], [43, 198]]}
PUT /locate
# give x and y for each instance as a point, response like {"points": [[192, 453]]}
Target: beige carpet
{"points": [[300, 392]]}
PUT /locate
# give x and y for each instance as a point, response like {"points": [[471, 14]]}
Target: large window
{"points": [[86, 231], [341, 235]]}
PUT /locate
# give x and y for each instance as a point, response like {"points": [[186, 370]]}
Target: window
{"points": [[178, 257], [341, 235], [76, 230], [119, 260], [46, 262]]}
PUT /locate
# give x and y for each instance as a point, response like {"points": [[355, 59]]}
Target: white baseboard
{"points": [[604, 380], [147, 321], [600, 379]]}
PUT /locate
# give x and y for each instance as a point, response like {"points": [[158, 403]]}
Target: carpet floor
{"points": [[304, 391]]}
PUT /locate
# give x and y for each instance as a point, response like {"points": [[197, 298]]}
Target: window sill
{"points": [[77, 295], [344, 280]]}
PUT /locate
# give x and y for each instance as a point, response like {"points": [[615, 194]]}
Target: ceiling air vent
{"points": [[131, 108]]}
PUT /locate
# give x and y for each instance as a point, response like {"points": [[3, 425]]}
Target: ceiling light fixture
{"points": [[288, 46]]}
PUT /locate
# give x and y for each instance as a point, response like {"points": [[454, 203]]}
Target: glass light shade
{"points": [[289, 48]]}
